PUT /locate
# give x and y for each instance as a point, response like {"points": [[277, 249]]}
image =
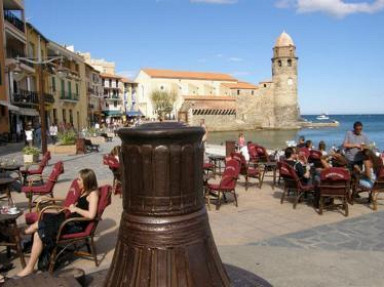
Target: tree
{"points": [[163, 102]]}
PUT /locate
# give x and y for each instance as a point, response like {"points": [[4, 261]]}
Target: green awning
{"points": [[112, 113]]}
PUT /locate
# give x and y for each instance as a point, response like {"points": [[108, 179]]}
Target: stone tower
{"points": [[284, 77]]}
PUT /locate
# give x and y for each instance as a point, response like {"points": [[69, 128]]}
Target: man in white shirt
{"points": [[53, 132]]}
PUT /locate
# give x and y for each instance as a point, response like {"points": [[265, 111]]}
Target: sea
{"points": [[373, 127]]}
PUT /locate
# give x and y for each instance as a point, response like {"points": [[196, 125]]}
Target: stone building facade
{"points": [[225, 102]]}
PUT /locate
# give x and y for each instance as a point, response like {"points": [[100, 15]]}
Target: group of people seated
{"points": [[355, 155]]}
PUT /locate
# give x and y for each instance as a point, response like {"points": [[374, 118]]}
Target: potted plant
{"points": [[30, 154]]}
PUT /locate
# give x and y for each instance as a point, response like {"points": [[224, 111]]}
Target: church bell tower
{"points": [[284, 77]]}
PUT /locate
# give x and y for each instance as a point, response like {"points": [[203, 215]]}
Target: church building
{"points": [[225, 102]]}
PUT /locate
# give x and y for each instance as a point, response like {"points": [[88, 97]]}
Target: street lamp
{"points": [[19, 75]]}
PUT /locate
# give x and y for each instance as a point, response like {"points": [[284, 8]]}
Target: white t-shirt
{"points": [[29, 135]]}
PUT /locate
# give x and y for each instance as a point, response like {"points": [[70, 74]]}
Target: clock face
{"points": [[290, 82]]}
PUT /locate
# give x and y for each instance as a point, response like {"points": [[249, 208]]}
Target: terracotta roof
{"points": [[188, 75], [240, 85], [126, 80], [105, 75]]}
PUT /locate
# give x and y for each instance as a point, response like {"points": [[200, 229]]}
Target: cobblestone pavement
{"points": [[363, 233]]}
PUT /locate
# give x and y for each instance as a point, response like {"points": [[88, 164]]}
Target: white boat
{"points": [[322, 117]]}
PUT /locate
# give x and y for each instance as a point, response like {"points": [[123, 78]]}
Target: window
{"points": [[162, 88], [289, 63], [252, 92], [238, 92], [107, 105], [53, 84], [70, 117], [115, 104], [265, 85], [77, 89], [69, 88], [279, 63], [54, 115], [62, 89], [31, 50]]}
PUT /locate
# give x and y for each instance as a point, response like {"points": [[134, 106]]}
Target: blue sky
{"points": [[339, 43]]}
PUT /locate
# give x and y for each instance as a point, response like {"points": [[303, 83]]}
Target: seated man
{"points": [[302, 171]]}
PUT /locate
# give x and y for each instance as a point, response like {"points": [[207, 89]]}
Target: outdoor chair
{"points": [[114, 166], [72, 196], [227, 183], [37, 171], [292, 183], [64, 241], [31, 190], [334, 184], [303, 154], [246, 170], [267, 161]]}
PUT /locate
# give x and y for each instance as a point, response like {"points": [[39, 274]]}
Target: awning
{"points": [[9, 106], [133, 113], [28, 112], [112, 113]]}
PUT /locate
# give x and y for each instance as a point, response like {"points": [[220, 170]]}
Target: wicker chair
{"points": [[335, 184], [37, 171], [63, 241], [292, 183], [246, 170]]}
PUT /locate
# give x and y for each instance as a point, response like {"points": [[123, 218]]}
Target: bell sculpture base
{"points": [[164, 237]]}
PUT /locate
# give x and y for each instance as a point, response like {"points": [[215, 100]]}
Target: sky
{"points": [[340, 43]]}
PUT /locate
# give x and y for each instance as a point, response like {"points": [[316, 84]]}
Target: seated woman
{"points": [[45, 230], [322, 148], [368, 172], [302, 171]]}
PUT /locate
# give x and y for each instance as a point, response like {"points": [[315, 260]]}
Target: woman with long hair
{"points": [[45, 231]]}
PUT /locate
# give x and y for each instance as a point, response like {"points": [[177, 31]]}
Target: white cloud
{"points": [[215, 1], [235, 59], [337, 8]]}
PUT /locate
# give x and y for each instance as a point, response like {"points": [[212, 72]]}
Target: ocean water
{"points": [[373, 127]]}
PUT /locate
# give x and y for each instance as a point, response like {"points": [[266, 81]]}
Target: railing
{"points": [[12, 18], [25, 97], [69, 96], [31, 98]]}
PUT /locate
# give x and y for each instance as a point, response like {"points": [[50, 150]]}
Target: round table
{"points": [[217, 160], [8, 227], [12, 168]]}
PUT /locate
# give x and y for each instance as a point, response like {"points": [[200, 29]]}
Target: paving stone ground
{"points": [[286, 247]]}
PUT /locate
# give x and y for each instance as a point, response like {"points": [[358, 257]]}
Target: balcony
{"points": [[12, 18], [13, 4], [112, 98], [30, 98], [69, 97]]}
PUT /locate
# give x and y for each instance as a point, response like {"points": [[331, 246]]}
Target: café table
{"points": [[5, 182], [9, 168], [219, 163], [10, 230]]}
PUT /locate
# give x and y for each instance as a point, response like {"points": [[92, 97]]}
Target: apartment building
{"points": [[94, 94]]}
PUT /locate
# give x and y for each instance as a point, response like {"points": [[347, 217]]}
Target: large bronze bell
{"points": [[164, 237]]}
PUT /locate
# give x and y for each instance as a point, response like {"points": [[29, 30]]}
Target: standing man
{"points": [[38, 136], [355, 141], [53, 132]]}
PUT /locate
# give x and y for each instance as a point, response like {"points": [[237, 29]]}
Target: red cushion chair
{"points": [[45, 189], [292, 183], [72, 196], [246, 170], [37, 171], [114, 166], [228, 181]]}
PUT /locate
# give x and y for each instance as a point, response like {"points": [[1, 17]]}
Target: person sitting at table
{"points": [[371, 164], [323, 148], [302, 171], [45, 231], [301, 142]]}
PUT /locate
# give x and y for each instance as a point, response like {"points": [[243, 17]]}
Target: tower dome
{"points": [[284, 40]]}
